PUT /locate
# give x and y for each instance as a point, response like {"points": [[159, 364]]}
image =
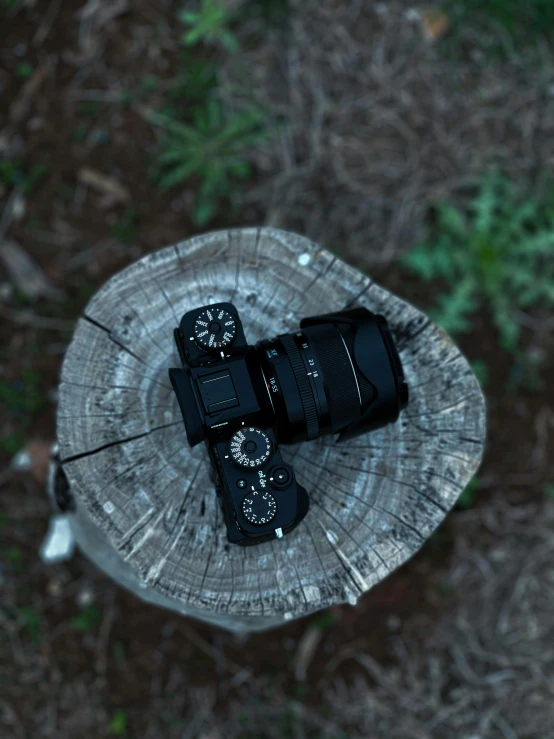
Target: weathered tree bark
{"points": [[145, 508]]}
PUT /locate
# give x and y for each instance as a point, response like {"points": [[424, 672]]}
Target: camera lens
{"points": [[339, 374]]}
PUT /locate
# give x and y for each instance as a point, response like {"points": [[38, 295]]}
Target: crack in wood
{"points": [[117, 442], [115, 341]]}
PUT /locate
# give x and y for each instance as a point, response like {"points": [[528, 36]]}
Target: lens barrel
{"points": [[340, 373]]}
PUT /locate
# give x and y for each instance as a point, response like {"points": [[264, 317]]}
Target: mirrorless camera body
{"points": [[340, 373]]}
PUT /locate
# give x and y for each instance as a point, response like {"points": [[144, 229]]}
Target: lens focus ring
{"points": [[304, 387]]}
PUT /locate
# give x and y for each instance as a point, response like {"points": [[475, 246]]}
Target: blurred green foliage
{"points": [[469, 495], [88, 619], [214, 149], [499, 255], [32, 625], [125, 229], [195, 81], [10, 6], [324, 620], [523, 21], [209, 25], [79, 133], [118, 722], [11, 443], [481, 371], [12, 172], [24, 70], [24, 396]]}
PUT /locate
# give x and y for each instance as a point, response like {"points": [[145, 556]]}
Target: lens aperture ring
{"points": [[304, 387]]}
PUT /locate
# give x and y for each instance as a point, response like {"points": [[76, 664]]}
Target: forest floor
{"points": [[369, 117]]}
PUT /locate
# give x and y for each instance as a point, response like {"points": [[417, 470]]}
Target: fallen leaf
{"points": [[435, 24], [40, 453]]}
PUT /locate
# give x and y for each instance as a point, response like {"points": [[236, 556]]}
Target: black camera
{"points": [[340, 373]]}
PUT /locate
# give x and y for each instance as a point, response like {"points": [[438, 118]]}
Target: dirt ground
{"points": [[370, 120]]}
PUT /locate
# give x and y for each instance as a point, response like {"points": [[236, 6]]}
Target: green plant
{"points": [[272, 11], [118, 722], [209, 25], [24, 396], [196, 80], [119, 653], [481, 371], [12, 173], [523, 20], [79, 133], [125, 229], [11, 443], [87, 619], [549, 492], [214, 148], [325, 620], [24, 70], [10, 6], [469, 495], [499, 255], [31, 620]]}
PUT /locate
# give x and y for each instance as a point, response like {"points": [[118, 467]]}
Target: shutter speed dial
{"points": [[250, 447], [259, 507], [214, 329]]}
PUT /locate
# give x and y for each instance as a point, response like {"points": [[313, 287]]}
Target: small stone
{"points": [[85, 597], [58, 544], [22, 461]]}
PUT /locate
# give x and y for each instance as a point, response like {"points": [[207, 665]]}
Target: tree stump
{"points": [[144, 507]]}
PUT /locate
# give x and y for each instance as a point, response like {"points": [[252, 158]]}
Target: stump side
{"points": [[123, 445]]}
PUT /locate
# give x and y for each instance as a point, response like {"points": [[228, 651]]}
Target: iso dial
{"points": [[250, 447], [214, 328]]}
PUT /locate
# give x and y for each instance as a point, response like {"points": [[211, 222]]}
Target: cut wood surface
{"points": [[145, 507]]}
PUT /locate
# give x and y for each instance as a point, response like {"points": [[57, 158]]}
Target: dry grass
{"points": [[486, 669], [372, 121]]}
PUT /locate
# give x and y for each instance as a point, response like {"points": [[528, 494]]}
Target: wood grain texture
{"points": [[146, 502]]}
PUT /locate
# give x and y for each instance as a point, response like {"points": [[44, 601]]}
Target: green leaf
{"points": [[209, 25], [32, 623], [87, 619], [481, 371], [118, 723], [469, 496], [324, 621], [24, 70], [452, 220], [455, 308], [204, 211]]}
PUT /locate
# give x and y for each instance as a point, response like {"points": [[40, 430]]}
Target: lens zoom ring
{"points": [[304, 387]]}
